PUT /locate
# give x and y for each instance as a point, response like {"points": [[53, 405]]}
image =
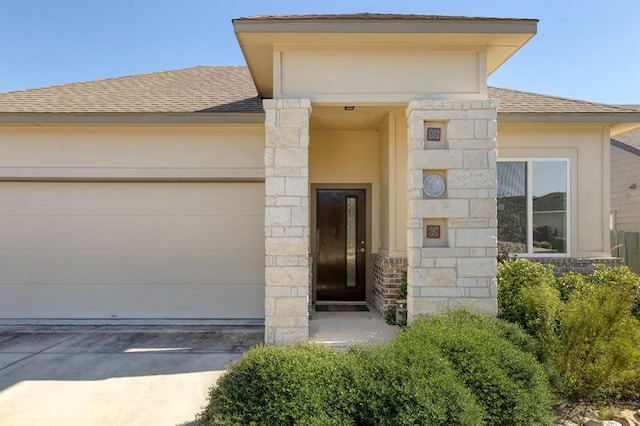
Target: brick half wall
{"points": [[387, 277]]}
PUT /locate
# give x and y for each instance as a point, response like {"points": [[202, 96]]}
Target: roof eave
{"points": [[244, 118], [632, 118]]}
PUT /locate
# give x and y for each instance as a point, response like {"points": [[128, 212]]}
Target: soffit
{"points": [[259, 37]]}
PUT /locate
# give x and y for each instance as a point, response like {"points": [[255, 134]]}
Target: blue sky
{"points": [[584, 49]]}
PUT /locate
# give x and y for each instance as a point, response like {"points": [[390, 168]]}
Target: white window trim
{"points": [[569, 199]]}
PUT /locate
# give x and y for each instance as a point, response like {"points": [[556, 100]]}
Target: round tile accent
{"points": [[433, 186]]}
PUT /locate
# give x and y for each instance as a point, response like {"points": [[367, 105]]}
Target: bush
{"points": [[620, 278], [598, 354], [456, 369], [410, 384], [509, 383], [280, 385], [585, 325], [527, 296]]}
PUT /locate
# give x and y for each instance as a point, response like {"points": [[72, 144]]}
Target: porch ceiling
{"points": [[337, 118]]}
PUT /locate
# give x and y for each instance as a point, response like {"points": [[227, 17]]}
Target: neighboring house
{"points": [[351, 148], [625, 180]]}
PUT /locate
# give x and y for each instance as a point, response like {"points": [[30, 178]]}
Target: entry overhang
{"points": [[260, 36]]}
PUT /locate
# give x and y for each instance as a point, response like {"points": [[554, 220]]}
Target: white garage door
{"points": [[131, 250]]}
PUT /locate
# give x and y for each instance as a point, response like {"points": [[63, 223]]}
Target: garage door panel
{"points": [[81, 267], [148, 199], [123, 301], [131, 249], [130, 232]]}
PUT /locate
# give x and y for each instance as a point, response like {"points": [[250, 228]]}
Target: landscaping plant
{"points": [[455, 369]]}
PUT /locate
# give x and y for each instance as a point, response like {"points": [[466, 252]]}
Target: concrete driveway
{"points": [[113, 375]]}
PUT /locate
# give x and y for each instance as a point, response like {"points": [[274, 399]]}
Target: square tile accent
{"points": [[433, 231], [434, 134]]}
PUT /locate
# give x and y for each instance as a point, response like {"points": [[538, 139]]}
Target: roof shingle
{"points": [[198, 89]]}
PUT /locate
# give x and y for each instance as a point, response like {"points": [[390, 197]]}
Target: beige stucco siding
{"points": [[365, 75], [132, 151], [625, 201], [587, 148], [393, 198]]}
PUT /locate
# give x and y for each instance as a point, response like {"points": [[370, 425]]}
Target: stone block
{"points": [[480, 129], [434, 277], [274, 186], [292, 307], [297, 186], [479, 178], [300, 216], [460, 129], [460, 143], [288, 201], [461, 223], [282, 137], [277, 216], [282, 246], [477, 267], [292, 157], [483, 208], [286, 275], [448, 292], [445, 262], [438, 208], [476, 237], [453, 252], [297, 118], [474, 159], [275, 292], [437, 159]]}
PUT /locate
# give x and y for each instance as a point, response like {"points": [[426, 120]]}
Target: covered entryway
{"points": [[113, 250]]}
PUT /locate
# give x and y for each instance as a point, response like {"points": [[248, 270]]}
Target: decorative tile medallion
{"points": [[434, 134], [433, 231], [433, 186]]}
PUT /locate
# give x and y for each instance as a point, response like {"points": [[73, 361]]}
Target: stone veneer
{"points": [[286, 159], [387, 277], [462, 272]]}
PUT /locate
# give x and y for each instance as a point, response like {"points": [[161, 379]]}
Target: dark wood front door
{"points": [[341, 246]]}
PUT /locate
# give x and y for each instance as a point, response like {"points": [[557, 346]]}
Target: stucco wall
{"points": [[132, 151], [587, 148], [364, 75], [625, 201]]}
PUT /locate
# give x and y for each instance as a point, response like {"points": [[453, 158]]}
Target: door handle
{"points": [[362, 250]]}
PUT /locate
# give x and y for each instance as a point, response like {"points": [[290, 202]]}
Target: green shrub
{"points": [[408, 384], [598, 353], [527, 296], [509, 383], [280, 385], [456, 369], [622, 279]]}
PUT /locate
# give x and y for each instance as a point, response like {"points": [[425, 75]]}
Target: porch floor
{"points": [[343, 329]]}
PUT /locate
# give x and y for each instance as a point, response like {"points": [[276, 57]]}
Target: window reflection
{"points": [[512, 207], [549, 189]]}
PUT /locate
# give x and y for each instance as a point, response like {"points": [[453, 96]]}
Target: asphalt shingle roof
{"points": [[515, 101], [198, 89], [220, 89]]}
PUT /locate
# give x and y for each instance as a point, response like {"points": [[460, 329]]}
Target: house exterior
{"points": [[625, 181], [351, 148]]}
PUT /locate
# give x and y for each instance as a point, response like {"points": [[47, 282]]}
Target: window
{"points": [[533, 206]]}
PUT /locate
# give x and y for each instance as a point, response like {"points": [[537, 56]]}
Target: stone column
{"points": [[451, 244], [286, 159]]}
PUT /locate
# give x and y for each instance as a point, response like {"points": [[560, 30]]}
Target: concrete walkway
{"points": [[343, 329], [113, 375]]}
